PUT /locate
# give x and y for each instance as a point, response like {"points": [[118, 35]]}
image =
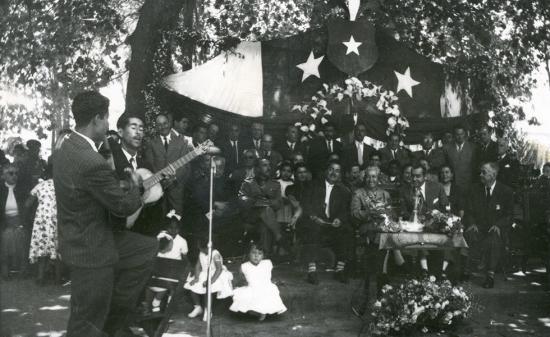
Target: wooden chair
{"points": [[169, 274]]}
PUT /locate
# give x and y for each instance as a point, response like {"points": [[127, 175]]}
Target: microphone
{"points": [[213, 150]]}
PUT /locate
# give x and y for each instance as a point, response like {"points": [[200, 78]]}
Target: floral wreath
{"points": [[318, 112]]}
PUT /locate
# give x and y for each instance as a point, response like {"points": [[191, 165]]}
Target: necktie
{"points": [[292, 146], [487, 194], [427, 153], [420, 199], [165, 141], [393, 153], [257, 144], [236, 149], [329, 145], [133, 163]]}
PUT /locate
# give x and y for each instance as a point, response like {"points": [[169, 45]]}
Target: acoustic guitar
{"points": [[151, 181]]}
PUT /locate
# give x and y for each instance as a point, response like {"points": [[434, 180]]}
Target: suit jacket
{"points": [[403, 156], [436, 157], [462, 162], [274, 158], [159, 158], [508, 172], [260, 202], [287, 152], [339, 203], [87, 190], [319, 153], [497, 211], [487, 153], [20, 198], [231, 160], [351, 156], [434, 198]]}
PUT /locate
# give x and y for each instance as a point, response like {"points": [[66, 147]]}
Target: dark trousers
{"points": [[103, 298], [314, 237]]}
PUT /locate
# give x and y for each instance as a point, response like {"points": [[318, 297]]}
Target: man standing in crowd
{"points": [[394, 151], [292, 144], [232, 148], [260, 198], [487, 150], [255, 142], [213, 131], [109, 268], [460, 155], [508, 165], [326, 211], [181, 124], [321, 148], [433, 155], [489, 216], [358, 153], [268, 153], [200, 135], [163, 149]]}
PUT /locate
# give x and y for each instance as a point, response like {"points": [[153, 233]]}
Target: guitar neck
{"points": [[157, 177]]}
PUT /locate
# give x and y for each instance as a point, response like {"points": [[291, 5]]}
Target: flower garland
{"points": [[419, 305], [319, 111]]}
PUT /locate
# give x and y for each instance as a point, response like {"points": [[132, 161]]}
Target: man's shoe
{"points": [[312, 278], [197, 310], [489, 282]]}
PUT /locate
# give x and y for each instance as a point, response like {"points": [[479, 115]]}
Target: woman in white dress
{"points": [[260, 297]]}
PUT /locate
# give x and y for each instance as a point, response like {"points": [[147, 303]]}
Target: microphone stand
{"points": [[209, 276]]}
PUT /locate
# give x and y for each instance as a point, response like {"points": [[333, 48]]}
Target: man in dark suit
{"points": [[487, 150], [127, 158], [358, 153], [460, 155], [326, 211], [508, 165], [255, 140], [109, 269], [489, 216], [433, 155], [321, 148], [232, 149], [394, 151], [292, 144], [268, 153], [422, 196], [164, 149]]}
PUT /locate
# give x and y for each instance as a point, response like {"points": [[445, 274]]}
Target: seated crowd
{"points": [[292, 196]]}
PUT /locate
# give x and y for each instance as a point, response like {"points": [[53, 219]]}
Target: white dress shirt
{"points": [[359, 146], [129, 157], [328, 191], [11, 202]]}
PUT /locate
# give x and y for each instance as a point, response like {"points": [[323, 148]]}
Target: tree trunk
{"points": [[156, 16]]}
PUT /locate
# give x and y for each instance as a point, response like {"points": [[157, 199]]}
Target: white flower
{"points": [[348, 92], [328, 112], [348, 81], [296, 107], [491, 114], [298, 124], [392, 122], [324, 120], [377, 304], [314, 115], [312, 128], [432, 278], [304, 108], [322, 103], [325, 86], [490, 124], [304, 128], [314, 98]]}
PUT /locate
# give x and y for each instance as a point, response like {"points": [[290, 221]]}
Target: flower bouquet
{"points": [[445, 223], [419, 305]]}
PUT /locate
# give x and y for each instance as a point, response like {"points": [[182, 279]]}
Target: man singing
{"points": [[108, 268]]}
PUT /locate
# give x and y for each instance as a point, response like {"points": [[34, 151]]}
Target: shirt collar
{"points": [[9, 186], [168, 138], [492, 188], [88, 139], [358, 143], [290, 143], [327, 184], [128, 155]]}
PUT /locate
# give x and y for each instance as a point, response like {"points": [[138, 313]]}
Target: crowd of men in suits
{"points": [[96, 190]]}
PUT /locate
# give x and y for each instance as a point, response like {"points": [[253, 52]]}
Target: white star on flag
{"points": [[405, 81], [352, 46], [311, 66]]}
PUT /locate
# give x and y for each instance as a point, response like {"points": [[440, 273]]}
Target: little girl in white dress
{"points": [[221, 278], [260, 297]]}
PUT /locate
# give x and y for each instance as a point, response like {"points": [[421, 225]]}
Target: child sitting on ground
{"points": [[220, 281], [260, 297], [171, 246]]}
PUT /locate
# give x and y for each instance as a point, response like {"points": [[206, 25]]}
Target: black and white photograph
{"points": [[283, 168]]}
